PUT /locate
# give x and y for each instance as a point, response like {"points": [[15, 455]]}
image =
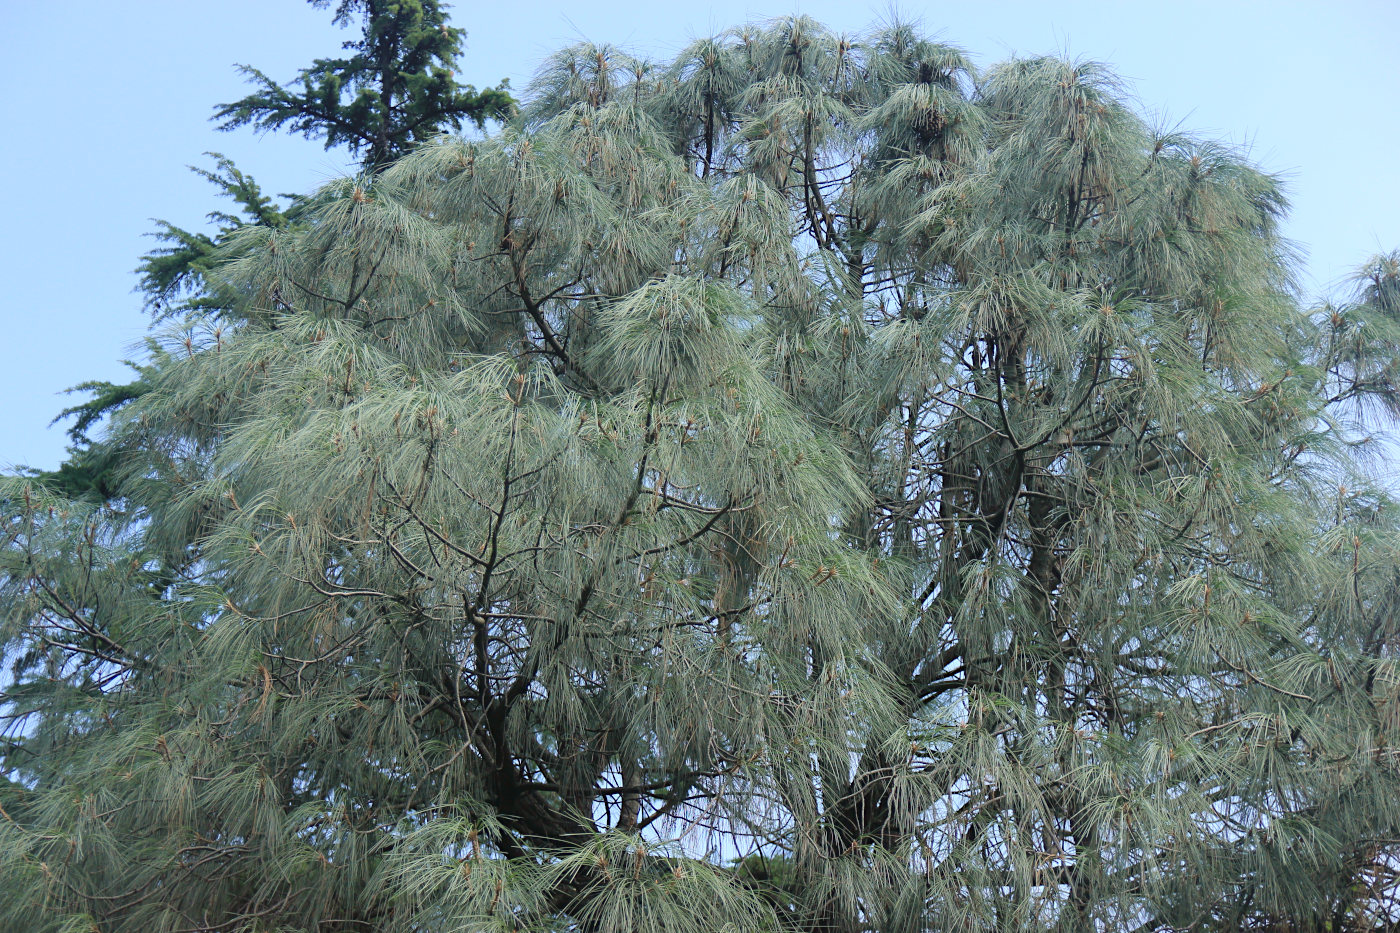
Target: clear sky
{"points": [[104, 104]]}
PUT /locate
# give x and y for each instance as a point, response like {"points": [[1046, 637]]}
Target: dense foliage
{"points": [[403, 90], [397, 89], [805, 486]]}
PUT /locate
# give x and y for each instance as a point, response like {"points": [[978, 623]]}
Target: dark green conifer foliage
{"points": [[806, 487], [174, 276], [398, 87]]}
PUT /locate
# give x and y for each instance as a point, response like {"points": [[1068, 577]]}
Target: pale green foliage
{"points": [[800, 487]]}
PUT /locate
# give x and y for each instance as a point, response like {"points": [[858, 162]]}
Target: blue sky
{"points": [[106, 103]]}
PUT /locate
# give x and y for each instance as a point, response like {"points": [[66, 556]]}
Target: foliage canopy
{"points": [[403, 90], [396, 89], [804, 486]]}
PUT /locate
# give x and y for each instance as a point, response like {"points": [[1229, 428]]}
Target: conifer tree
{"points": [[396, 89], [807, 486], [403, 90]]}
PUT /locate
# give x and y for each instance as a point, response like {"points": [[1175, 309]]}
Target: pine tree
{"points": [[403, 91], [806, 486]]}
